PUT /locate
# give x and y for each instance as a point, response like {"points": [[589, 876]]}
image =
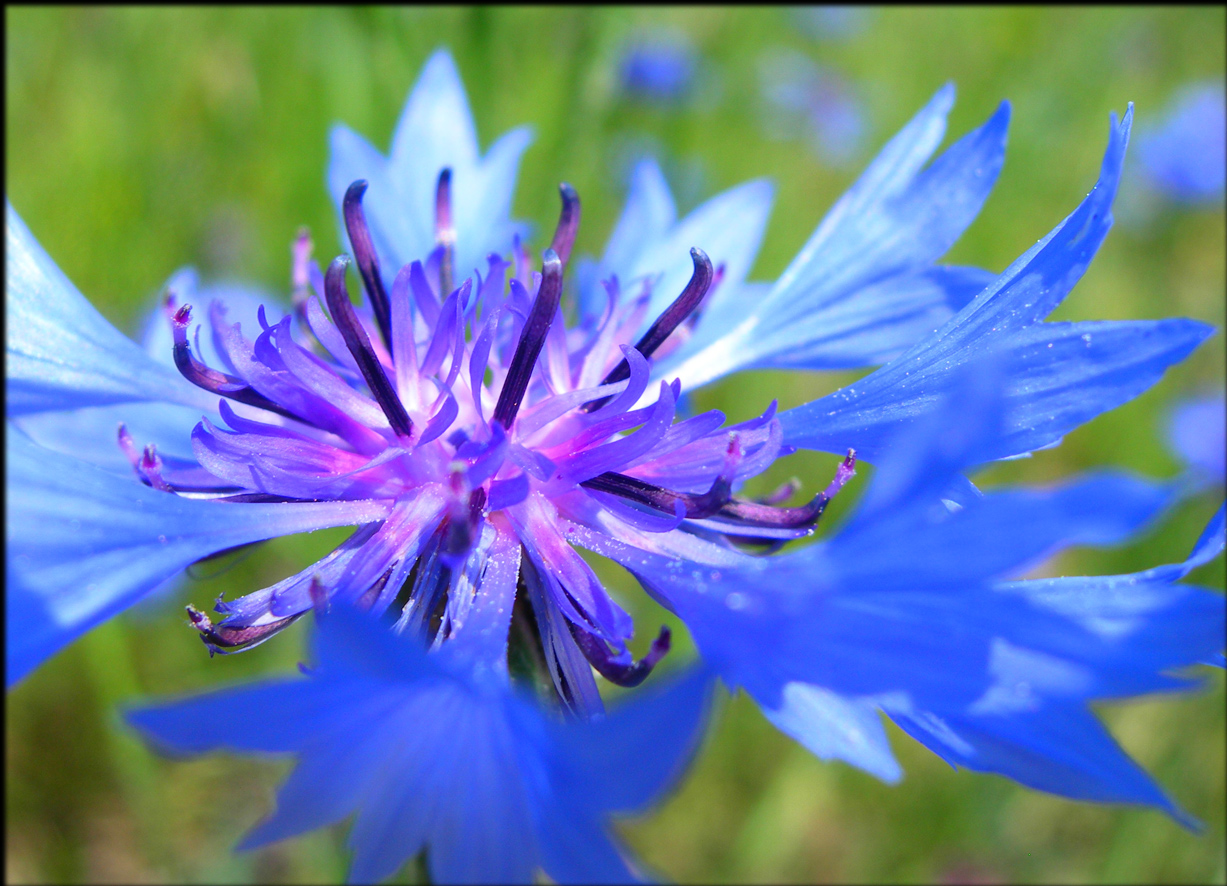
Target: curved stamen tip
{"points": [[622, 673], [444, 232], [364, 254], [353, 194], [532, 339], [691, 297], [568, 222], [182, 317]]}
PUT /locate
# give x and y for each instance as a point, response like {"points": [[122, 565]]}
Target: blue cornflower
{"points": [[659, 68], [1197, 432], [460, 424], [1184, 155], [816, 101]]}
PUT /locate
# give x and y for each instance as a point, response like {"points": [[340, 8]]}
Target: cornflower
{"points": [[476, 440]]}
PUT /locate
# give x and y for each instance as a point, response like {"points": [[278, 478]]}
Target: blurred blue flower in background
{"points": [[1184, 153], [1197, 432], [807, 100], [476, 441], [832, 23], [660, 67]]}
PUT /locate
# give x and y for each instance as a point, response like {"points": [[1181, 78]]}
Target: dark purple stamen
{"points": [[210, 379], [445, 232], [718, 504], [568, 222], [633, 489], [627, 675], [364, 255], [674, 315], [691, 298], [360, 347], [532, 338], [223, 639]]}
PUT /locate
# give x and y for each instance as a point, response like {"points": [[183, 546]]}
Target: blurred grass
{"points": [[140, 140]]}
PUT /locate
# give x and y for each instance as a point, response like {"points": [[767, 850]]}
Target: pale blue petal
{"points": [[640, 748], [1088, 368], [895, 219], [833, 727], [435, 128], [89, 543], [481, 202], [648, 215], [877, 322], [1057, 377], [894, 222], [435, 131], [1061, 749], [60, 353], [91, 433], [402, 231], [729, 228]]}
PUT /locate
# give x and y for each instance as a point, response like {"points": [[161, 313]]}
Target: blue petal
{"points": [[729, 228], [1147, 623], [639, 749], [435, 131], [878, 322], [1060, 374], [60, 353], [433, 755], [1061, 749], [892, 224], [91, 433], [833, 727], [88, 543], [648, 215]]}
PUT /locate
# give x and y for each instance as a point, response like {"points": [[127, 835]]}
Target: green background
{"points": [[142, 140]]}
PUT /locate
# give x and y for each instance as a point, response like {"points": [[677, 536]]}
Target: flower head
{"points": [[478, 432]]}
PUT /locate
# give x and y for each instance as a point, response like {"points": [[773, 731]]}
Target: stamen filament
{"points": [[210, 379], [627, 675], [691, 298], [445, 231], [344, 318], [568, 222], [366, 259], [532, 338]]}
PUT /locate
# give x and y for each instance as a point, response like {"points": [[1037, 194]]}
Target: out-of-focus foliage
{"points": [[140, 140]]}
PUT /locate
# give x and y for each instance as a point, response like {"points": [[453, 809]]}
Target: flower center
{"points": [[460, 404]]}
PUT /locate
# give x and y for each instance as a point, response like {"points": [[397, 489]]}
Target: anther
{"points": [[568, 222], [366, 259], [224, 639], [691, 298], [151, 469], [445, 231], [532, 338], [360, 347], [210, 379]]}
